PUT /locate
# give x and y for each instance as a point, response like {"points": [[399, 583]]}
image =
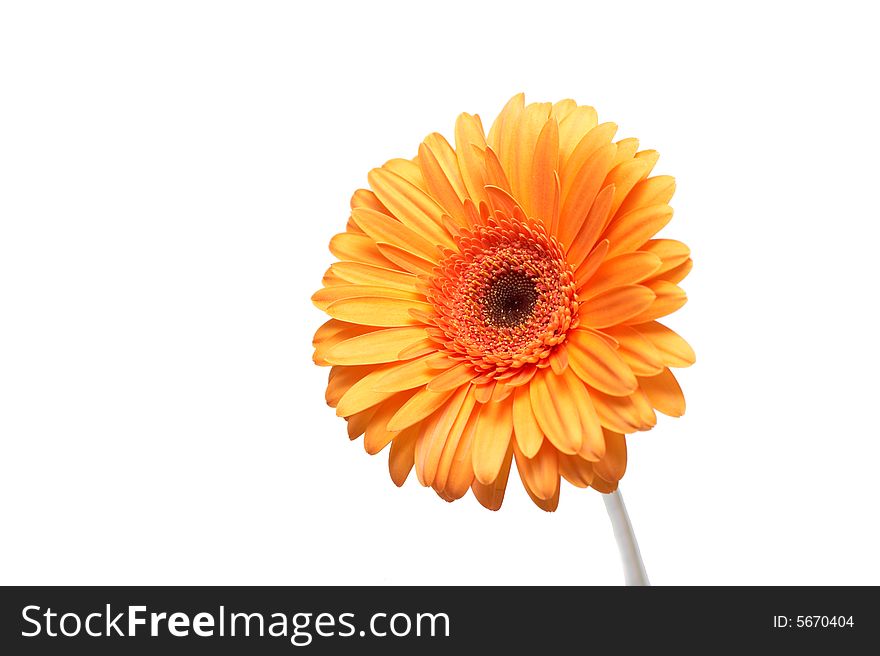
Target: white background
{"points": [[171, 172]]}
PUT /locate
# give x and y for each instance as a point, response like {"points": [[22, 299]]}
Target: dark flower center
{"points": [[510, 299]]}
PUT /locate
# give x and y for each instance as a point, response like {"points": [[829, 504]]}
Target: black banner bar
{"points": [[435, 620]]}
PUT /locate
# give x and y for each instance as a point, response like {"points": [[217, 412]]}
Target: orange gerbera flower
{"points": [[497, 301]]}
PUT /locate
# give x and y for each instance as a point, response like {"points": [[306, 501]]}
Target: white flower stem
{"points": [[633, 567]]}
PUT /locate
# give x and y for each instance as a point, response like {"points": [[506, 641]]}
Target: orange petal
{"points": [[502, 134], [626, 150], [586, 270], [669, 298], [491, 496], [406, 260], [640, 354], [651, 191], [377, 311], [495, 174], [631, 230], [342, 379], [471, 162], [599, 365], [625, 269], [366, 198], [572, 128], [613, 465], [434, 434], [412, 206], [576, 470], [491, 441], [664, 393], [377, 434], [548, 505], [452, 442], [327, 295], [624, 177], [368, 274], [590, 143], [357, 248], [421, 405], [673, 349], [615, 306], [410, 374], [525, 427], [402, 455], [441, 172], [593, 443], [540, 474], [677, 274], [357, 423], [461, 470], [533, 119], [452, 378], [544, 192], [617, 413], [582, 235], [383, 228], [361, 394], [586, 185], [670, 251], [556, 411]]}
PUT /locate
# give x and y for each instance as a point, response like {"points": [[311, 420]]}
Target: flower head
{"points": [[498, 302]]}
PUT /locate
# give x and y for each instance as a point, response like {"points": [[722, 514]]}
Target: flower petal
{"points": [[586, 185], [413, 373], [599, 365], [674, 350], [587, 231], [402, 455], [361, 394], [469, 144], [638, 352], [412, 206], [576, 470], [625, 269], [433, 436], [555, 410], [357, 248], [375, 347], [368, 274], [573, 127], [452, 443], [617, 413], [419, 406], [615, 306], [651, 191], [377, 311], [377, 435], [381, 227], [491, 441], [461, 374], [502, 134], [631, 230], [406, 260], [544, 192], [672, 252], [669, 298], [624, 177], [491, 496], [328, 295], [613, 464], [664, 393], [540, 474], [529, 435]]}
